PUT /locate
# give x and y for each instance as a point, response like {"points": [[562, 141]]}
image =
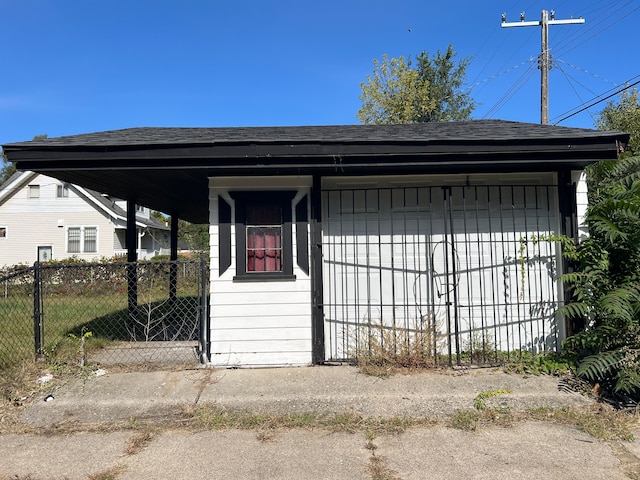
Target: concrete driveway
{"points": [[128, 425]]}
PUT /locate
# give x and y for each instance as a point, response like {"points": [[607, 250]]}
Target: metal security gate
{"points": [[467, 272]]}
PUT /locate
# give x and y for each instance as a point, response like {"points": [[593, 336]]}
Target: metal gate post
{"points": [[205, 346], [450, 273]]}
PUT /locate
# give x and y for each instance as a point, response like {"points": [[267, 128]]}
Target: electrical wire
{"points": [[598, 101], [600, 96], [594, 75], [568, 78], [564, 49], [511, 91], [568, 34]]}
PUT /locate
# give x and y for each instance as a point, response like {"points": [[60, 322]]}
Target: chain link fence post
{"points": [[38, 311]]}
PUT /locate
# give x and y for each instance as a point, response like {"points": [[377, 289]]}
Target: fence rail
{"points": [[90, 312]]}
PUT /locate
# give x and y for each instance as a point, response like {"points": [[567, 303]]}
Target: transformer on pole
{"points": [[544, 59]]}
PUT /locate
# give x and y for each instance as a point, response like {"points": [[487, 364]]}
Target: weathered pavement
{"points": [[524, 450]]}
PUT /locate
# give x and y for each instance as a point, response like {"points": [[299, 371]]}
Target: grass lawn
{"points": [[67, 317], [62, 315]]}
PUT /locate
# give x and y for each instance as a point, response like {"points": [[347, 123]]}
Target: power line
{"points": [[601, 96], [569, 78], [492, 77], [595, 75], [564, 49], [511, 91], [599, 101], [597, 12]]}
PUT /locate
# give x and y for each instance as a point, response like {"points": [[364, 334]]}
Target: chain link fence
{"points": [[105, 313]]}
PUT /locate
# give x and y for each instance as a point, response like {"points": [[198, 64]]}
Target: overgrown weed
{"points": [[382, 349], [214, 417], [139, 441], [112, 473], [600, 421]]}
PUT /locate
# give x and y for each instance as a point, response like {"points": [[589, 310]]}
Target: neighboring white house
{"points": [[42, 216]]}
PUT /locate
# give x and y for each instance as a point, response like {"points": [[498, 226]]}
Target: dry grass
{"points": [[472, 420], [18, 386], [139, 441], [600, 421], [382, 349], [378, 470], [213, 417], [377, 467], [109, 474], [26, 477], [19, 381]]}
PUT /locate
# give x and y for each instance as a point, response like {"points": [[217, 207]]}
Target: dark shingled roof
{"points": [[472, 130], [167, 169]]}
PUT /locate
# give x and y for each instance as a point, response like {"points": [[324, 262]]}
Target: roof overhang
{"points": [[167, 169]]}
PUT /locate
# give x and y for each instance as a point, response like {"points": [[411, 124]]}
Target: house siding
{"points": [[257, 324], [43, 221], [582, 201]]}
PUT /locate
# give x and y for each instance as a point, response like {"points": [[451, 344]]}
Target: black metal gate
{"points": [[465, 272]]}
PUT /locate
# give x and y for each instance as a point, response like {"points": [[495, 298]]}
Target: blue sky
{"points": [[78, 66]]}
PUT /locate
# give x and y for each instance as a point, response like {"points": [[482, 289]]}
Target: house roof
{"points": [[108, 205], [167, 168]]}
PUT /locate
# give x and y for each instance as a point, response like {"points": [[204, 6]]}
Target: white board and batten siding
{"points": [[458, 253], [257, 324]]}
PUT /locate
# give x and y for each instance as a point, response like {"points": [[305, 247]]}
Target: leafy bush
{"points": [[606, 282]]}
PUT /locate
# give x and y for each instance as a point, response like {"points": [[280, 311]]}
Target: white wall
{"points": [[582, 201], [257, 324]]}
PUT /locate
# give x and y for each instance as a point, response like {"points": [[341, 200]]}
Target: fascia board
{"points": [[9, 189]]}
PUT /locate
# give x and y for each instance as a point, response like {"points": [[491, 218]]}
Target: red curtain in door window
{"points": [[264, 248], [264, 238]]}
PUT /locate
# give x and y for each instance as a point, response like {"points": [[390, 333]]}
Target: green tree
{"points": [[195, 235], [161, 217], [7, 169], [625, 116], [398, 92]]}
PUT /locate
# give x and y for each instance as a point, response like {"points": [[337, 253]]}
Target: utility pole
{"points": [[544, 60]]}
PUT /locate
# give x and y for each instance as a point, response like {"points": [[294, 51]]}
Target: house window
{"points": [[34, 191], [73, 239], [3, 232], [82, 240], [263, 236], [62, 190], [90, 239]]}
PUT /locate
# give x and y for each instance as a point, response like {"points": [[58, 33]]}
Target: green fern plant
{"points": [[606, 282]]}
